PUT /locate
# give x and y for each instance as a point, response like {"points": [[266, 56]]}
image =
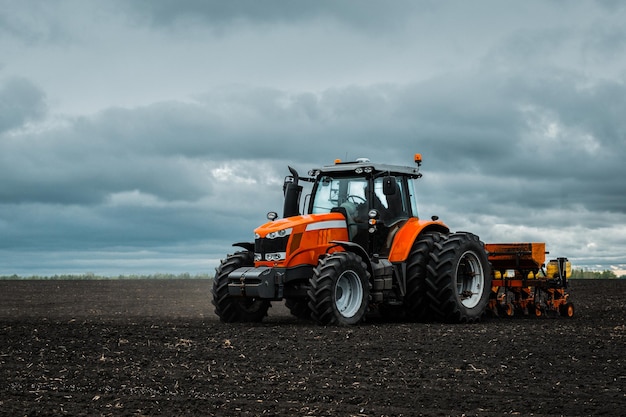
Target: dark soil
{"points": [[156, 348]]}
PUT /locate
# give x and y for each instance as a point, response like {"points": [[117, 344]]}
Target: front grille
{"points": [[264, 245]]}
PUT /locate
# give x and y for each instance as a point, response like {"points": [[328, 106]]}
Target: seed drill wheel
{"points": [[416, 301], [236, 309], [458, 282], [567, 310], [339, 289], [507, 310], [535, 310]]}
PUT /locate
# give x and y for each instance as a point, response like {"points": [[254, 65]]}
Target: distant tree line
{"points": [[576, 273], [92, 276], [587, 274]]}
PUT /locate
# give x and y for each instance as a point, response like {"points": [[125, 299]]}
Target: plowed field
{"points": [[150, 348]]}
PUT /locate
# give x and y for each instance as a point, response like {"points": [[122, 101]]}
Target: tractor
{"points": [[357, 247]]}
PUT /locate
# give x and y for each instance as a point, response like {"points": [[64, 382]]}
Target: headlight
{"points": [[277, 256], [279, 233], [373, 215], [367, 170]]}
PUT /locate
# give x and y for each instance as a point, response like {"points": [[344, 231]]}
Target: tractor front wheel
{"points": [[459, 280], [339, 289], [299, 308], [236, 309]]}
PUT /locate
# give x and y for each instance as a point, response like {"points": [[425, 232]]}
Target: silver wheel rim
{"points": [[470, 280], [348, 294]]}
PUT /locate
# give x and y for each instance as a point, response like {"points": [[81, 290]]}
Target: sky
{"points": [[147, 136]]}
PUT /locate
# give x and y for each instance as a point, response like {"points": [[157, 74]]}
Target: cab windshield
{"points": [[336, 192], [352, 194]]}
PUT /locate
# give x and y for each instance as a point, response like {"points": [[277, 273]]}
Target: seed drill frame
{"points": [[521, 284]]}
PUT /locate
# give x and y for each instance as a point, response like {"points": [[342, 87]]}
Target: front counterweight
{"points": [[256, 282]]}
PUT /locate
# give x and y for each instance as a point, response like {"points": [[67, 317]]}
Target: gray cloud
{"points": [[359, 13], [20, 101], [172, 140], [538, 136]]}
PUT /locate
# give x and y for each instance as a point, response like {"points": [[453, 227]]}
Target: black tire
{"points": [[416, 302], [567, 310], [339, 289], [392, 312], [458, 282], [236, 309], [299, 307]]}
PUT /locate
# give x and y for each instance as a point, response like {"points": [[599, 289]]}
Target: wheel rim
{"points": [[348, 294], [470, 280]]}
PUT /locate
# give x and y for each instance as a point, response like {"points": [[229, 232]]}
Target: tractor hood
{"points": [[297, 240], [300, 224]]}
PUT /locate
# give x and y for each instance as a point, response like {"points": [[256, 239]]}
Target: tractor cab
{"points": [[375, 199]]}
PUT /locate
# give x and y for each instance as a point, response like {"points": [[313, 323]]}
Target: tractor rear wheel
{"points": [[339, 289], [415, 301], [458, 282], [236, 309]]}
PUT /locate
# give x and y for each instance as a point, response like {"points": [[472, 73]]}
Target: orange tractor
{"points": [[359, 246]]}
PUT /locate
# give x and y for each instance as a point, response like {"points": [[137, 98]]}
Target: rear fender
{"points": [[403, 241]]}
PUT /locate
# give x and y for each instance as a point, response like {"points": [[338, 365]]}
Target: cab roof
{"points": [[376, 168]]}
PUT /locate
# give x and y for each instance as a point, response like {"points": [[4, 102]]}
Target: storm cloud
{"points": [[148, 136]]}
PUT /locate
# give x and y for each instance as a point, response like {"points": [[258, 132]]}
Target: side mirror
{"points": [[389, 185], [290, 179], [292, 192]]}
